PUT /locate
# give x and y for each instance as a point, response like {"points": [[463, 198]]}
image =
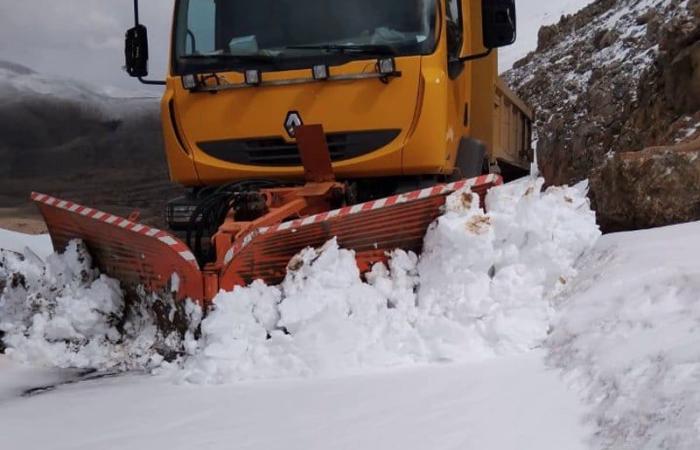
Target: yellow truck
{"points": [[293, 121]]}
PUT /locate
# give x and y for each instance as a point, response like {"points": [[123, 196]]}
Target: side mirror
{"points": [[136, 51], [499, 23]]}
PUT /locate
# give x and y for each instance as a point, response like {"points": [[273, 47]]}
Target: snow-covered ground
{"points": [[565, 352], [436, 352], [627, 333], [533, 14], [506, 404], [18, 242]]}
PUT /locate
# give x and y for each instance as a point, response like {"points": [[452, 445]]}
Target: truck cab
{"points": [[403, 88]]}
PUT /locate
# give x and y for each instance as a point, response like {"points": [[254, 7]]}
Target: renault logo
{"points": [[292, 122]]}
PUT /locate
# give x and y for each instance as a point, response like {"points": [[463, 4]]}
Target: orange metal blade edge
{"points": [[134, 254], [371, 229]]}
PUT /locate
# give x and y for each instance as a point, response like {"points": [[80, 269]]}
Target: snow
{"points": [[62, 313], [627, 334], [532, 15], [480, 290], [495, 405], [19, 242], [16, 379], [21, 80], [509, 332]]}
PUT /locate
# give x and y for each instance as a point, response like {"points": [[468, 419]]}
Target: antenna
{"points": [[136, 12]]}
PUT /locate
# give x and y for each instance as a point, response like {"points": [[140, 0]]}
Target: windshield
{"points": [[284, 34]]}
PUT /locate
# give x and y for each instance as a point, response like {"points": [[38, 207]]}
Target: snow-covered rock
{"points": [[656, 187], [533, 14], [620, 75]]}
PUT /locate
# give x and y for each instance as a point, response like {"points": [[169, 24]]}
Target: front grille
{"points": [[275, 151]]}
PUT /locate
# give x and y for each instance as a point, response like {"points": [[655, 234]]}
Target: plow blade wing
{"points": [[134, 254], [372, 230]]}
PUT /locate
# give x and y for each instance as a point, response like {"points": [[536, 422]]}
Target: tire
{"points": [[471, 158]]}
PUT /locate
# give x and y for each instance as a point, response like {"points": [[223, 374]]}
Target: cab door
{"points": [[459, 77]]}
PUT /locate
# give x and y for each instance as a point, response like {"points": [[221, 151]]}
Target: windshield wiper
{"points": [[254, 57], [368, 49]]}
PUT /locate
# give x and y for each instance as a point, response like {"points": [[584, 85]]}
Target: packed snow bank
{"points": [[481, 289], [628, 333], [63, 313]]}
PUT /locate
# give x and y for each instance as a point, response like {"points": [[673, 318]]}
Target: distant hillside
{"points": [[62, 137]]}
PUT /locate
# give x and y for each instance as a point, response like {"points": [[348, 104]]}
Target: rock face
{"points": [[655, 187], [620, 75]]}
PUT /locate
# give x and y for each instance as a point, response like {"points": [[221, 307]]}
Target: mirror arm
{"points": [[136, 12], [477, 56]]}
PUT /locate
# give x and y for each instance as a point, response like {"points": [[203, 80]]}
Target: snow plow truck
{"points": [[291, 122]]}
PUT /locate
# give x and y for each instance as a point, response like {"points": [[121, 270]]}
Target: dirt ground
{"points": [[119, 192], [23, 220]]}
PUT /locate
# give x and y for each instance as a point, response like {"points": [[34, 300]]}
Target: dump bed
{"points": [[512, 141]]}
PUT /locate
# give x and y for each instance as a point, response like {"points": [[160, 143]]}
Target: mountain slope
{"points": [[62, 137], [619, 75], [533, 14]]}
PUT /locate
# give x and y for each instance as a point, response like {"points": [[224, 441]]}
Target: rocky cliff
{"points": [[618, 76]]}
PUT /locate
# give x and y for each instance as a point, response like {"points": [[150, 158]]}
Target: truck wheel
{"points": [[471, 158]]}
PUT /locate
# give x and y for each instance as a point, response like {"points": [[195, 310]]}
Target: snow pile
{"points": [[628, 333], [481, 289], [62, 313]]}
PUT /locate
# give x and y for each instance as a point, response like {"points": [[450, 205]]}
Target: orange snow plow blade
{"points": [[134, 254], [140, 256], [371, 229]]}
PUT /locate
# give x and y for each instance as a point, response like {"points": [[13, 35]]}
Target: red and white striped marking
{"points": [[443, 189], [178, 246]]}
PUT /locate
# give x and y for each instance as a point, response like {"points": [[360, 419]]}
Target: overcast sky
{"points": [[82, 39]]}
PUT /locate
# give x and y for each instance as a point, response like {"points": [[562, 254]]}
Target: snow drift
{"points": [[627, 333], [482, 288], [63, 313]]}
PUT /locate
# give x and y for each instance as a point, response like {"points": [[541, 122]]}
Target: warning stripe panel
{"points": [[135, 254], [482, 183], [370, 229]]}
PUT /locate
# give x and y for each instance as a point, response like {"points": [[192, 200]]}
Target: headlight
{"points": [[386, 66], [253, 77], [189, 82], [320, 72]]}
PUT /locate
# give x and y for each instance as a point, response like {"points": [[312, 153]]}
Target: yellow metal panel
{"points": [[180, 163], [424, 104], [340, 106]]}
